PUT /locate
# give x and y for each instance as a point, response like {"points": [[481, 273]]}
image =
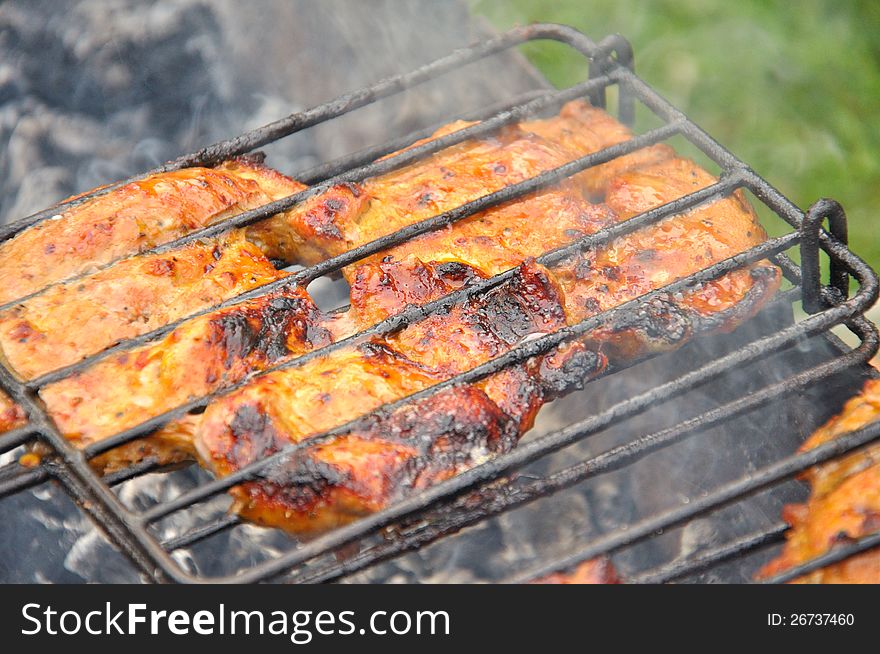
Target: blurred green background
{"points": [[792, 88]]}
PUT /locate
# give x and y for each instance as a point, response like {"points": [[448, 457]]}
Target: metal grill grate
{"points": [[476, 495]]}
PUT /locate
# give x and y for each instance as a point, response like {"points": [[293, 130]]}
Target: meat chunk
{"points": [[70, 321], [202, 355], [307, 232], [391, 455], [133, 218], [844, 503], [678, 246], [582, 129]]}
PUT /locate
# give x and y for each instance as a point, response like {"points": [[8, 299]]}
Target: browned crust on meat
{"points": [[133, 218], [844, 503], [11, 415], [201, 356], [132, 297]]}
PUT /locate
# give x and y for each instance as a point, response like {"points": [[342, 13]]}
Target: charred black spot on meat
{"points": [[451, 431], [265, 331], [526, 304], [457, 272], [236, 335], [611, 272], [300, 472], [592, 305], [583, 269], [255, 157], [254, 435], [579, 365], [278, 320], [660, 319], [386, 356]]}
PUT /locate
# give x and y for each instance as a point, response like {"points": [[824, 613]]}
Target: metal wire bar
{"points": [[836, 555], [200, 533], [323, 171], [16, 437], [16, 477], [810, 251]]}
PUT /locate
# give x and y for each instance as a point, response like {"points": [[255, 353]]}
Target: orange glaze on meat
{"points": [[844, 503], [582, 129], [302, 235], [444, 181], [133, 218], [72, 320], [594, 571], [646, 259]]}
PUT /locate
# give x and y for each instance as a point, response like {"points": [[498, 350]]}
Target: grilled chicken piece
{"points": [[844, 503], [465, 172], [133, 218], [444, 181], [299, 235], [72, 320], [390, 456], [646, 259], [594, 571], [200, 356], [11, 415]]}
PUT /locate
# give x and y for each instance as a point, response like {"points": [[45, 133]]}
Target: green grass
{"points": [[792, 88]]}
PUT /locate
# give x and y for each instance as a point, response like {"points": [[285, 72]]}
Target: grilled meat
{"points": [[592, 281], [133, 218], [594, 571], [299, 234], [388, 456], [844, 502], [72, 320], [200, 356], [630, 266]]}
